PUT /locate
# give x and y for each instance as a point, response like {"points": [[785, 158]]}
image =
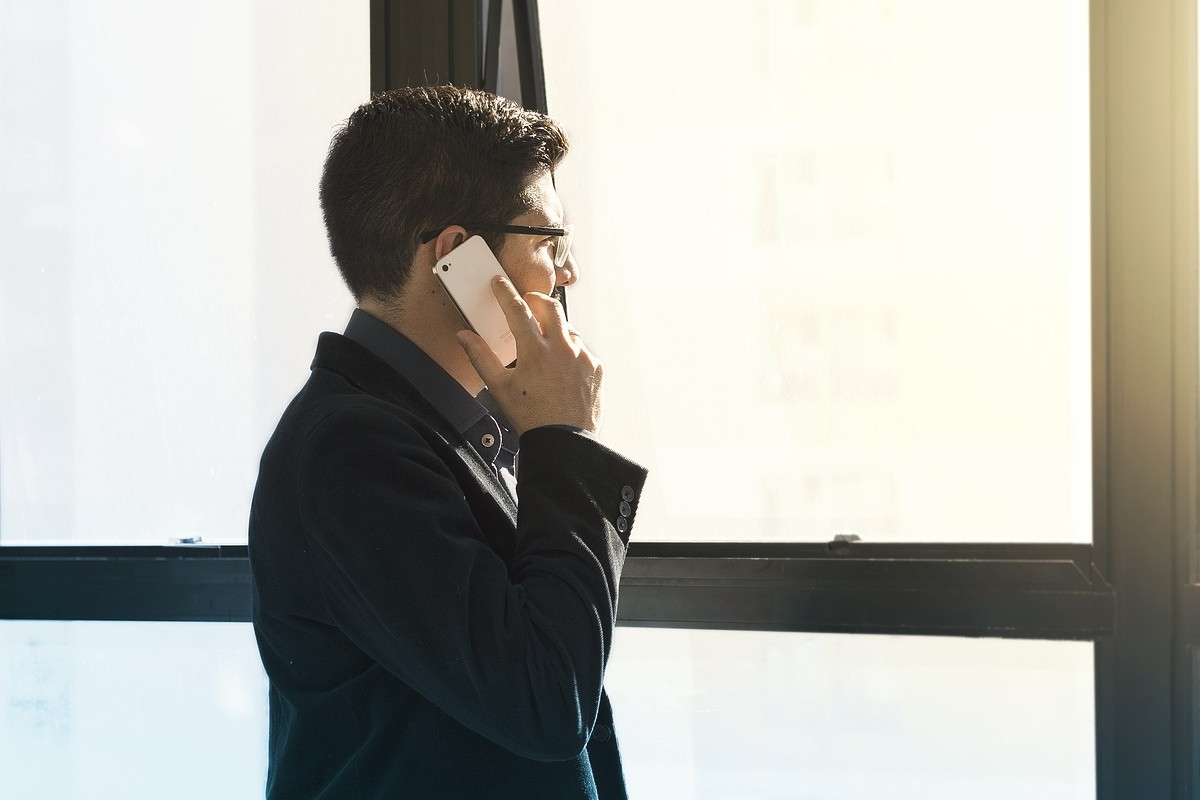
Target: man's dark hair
{"points": [[419, 159]]}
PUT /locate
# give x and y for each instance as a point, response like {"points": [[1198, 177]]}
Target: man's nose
{"points": [[568, 273]]}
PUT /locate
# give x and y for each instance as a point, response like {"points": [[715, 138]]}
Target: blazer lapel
{"points": [[489, 499]]}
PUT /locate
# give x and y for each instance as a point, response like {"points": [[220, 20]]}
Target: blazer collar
{"points": [[371, 374]]}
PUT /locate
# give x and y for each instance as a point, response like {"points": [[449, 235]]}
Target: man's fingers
{"points": [[549, 314], [482, 357], [516, 311]]}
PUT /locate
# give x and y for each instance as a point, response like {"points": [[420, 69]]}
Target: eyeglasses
{"points": [[562, 241]]}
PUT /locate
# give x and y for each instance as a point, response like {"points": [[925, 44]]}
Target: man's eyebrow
{"points": [[557, 220], [544, 220]]}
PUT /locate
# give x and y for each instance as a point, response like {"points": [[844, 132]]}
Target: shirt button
{"points": [[601, 733], [627, 493], [626, 509], [622, 524], [488, 440]]}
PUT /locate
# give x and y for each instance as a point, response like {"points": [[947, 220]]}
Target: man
{"points": [[423, 637]]}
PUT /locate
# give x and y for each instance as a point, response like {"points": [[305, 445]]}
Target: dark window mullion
{"points": [[1018, 591], [424, 42]]}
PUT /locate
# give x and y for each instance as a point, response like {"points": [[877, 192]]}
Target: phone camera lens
{"points": [[445, 267]]}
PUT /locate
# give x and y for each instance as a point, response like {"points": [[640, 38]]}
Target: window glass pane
{"points": [[120, 709], [99, 710], [736, 714], [835, 256], [166, 271]]}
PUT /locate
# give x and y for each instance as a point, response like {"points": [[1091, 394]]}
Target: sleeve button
{"points": [[627, 493], [622, 524], [626, 509]]}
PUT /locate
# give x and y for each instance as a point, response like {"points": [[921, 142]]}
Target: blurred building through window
{"points": [[836, 257]]}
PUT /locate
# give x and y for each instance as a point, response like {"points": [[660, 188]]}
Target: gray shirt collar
{"points": [[444, 393]]}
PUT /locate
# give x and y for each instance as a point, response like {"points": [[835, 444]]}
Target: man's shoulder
{"points": [[334, 441], [330, 406], [347, 376]]}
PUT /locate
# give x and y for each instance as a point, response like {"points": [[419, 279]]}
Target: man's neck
{"points": [[425, 315]]}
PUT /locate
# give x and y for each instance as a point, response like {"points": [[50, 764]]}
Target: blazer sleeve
{"points": [[406, 573]]}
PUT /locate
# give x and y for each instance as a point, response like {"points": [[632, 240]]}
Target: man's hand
{"points": [[556, 380]]}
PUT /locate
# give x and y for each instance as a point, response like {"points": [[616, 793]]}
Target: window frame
{"points": [[1011, 591], [1134, 591]]}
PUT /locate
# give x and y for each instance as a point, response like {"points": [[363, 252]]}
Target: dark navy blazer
{"points": [[423, 638]]}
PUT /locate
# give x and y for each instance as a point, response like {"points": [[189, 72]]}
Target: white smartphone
{"points": [[466, 273]]}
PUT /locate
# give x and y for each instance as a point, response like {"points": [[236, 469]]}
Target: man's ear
{"points": [[451, 237]]}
